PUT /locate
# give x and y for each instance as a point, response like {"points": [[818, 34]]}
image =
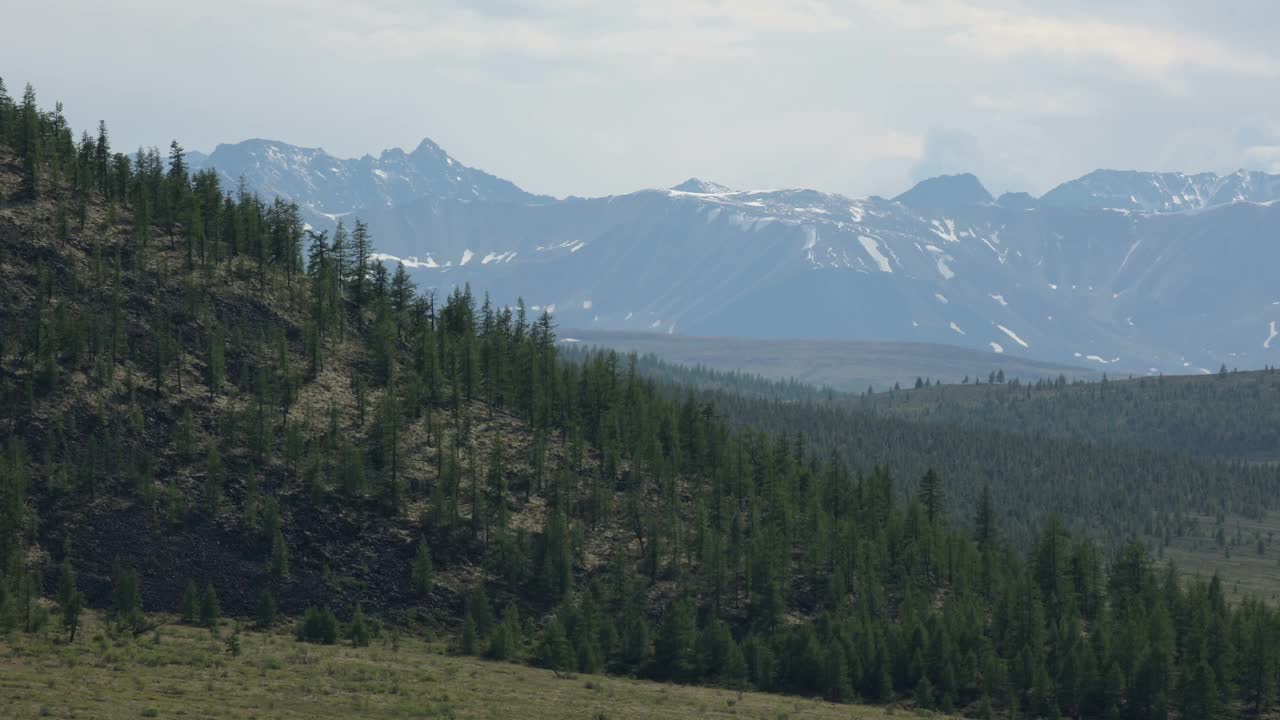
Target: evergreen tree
{"points": [[470, 641], [361, 249], [70, 600], [210, 609], [126, 597], [318, 626], [923, 693], [505, 637], [28, 143], [674, 652], [359, 632], [279, 555], [554, 651], [265, 612], [189, 608], [422, 573], [931, 495]]}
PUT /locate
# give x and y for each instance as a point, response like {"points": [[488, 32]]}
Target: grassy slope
{"points": [[188, 673], [1244, 571], [839, 365]]}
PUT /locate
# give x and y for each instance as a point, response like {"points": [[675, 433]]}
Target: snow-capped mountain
{"points": [[702, 187], [1128, 272], [327, 186], [1162, 192]]}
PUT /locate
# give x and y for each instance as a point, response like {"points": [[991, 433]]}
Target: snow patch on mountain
{"points": [[1012, 335], [873, 249], [943, 269]]}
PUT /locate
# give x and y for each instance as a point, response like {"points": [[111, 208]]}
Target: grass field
{"points": [[1244, 571], [189, 673]]}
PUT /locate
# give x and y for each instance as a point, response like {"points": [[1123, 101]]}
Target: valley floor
{"points": [[187, 672]]}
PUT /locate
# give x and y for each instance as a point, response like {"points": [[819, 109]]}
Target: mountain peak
{"points": [[1017, 201], [695, 185], [427, 146], [946, 191], [1148, 191]]}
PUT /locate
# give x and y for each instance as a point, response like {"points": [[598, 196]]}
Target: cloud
{"points": [[658, 31], [1013, 31], [1259, 147], [1037, 102], [950, 151], [947, 152], [590, 97]]}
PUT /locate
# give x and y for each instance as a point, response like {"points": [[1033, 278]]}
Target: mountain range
{"points": [[1123, 271]]}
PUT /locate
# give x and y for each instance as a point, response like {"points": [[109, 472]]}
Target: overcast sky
{"points": [[592, 98]]}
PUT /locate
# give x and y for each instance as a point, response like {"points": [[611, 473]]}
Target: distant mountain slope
{"points": [[1125, 272], [840, 365], [328, 187], [1162, 192], [947, 191]]}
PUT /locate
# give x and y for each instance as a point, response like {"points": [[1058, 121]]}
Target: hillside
{"points": [[196, 421]]}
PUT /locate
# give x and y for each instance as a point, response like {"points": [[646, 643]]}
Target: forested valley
{"points": [[206, 409], [1167, 458]]}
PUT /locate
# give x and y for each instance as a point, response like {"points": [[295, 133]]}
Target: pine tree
{"points": [[126, 597], [505, 637], [554, 651], [70, 600], [279, 555], [931, 495], [265, 612], [318, 626], [923, 694], [212, 494], [28, 143], [674, 652], [210, 609], [984, 523], [359, 632], [361, 249], [470, 642], [6, 107], [216, 363], [422, 574], [189, 608], [402, 293], [102, 160], [340, 252]]}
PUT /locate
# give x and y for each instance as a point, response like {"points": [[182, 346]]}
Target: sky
{"points": [[585, 97]]}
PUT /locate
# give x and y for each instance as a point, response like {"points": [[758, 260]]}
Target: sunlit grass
{"points": [[183, 672]]}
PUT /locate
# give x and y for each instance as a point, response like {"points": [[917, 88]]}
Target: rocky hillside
{"points": [[177, 422]]}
